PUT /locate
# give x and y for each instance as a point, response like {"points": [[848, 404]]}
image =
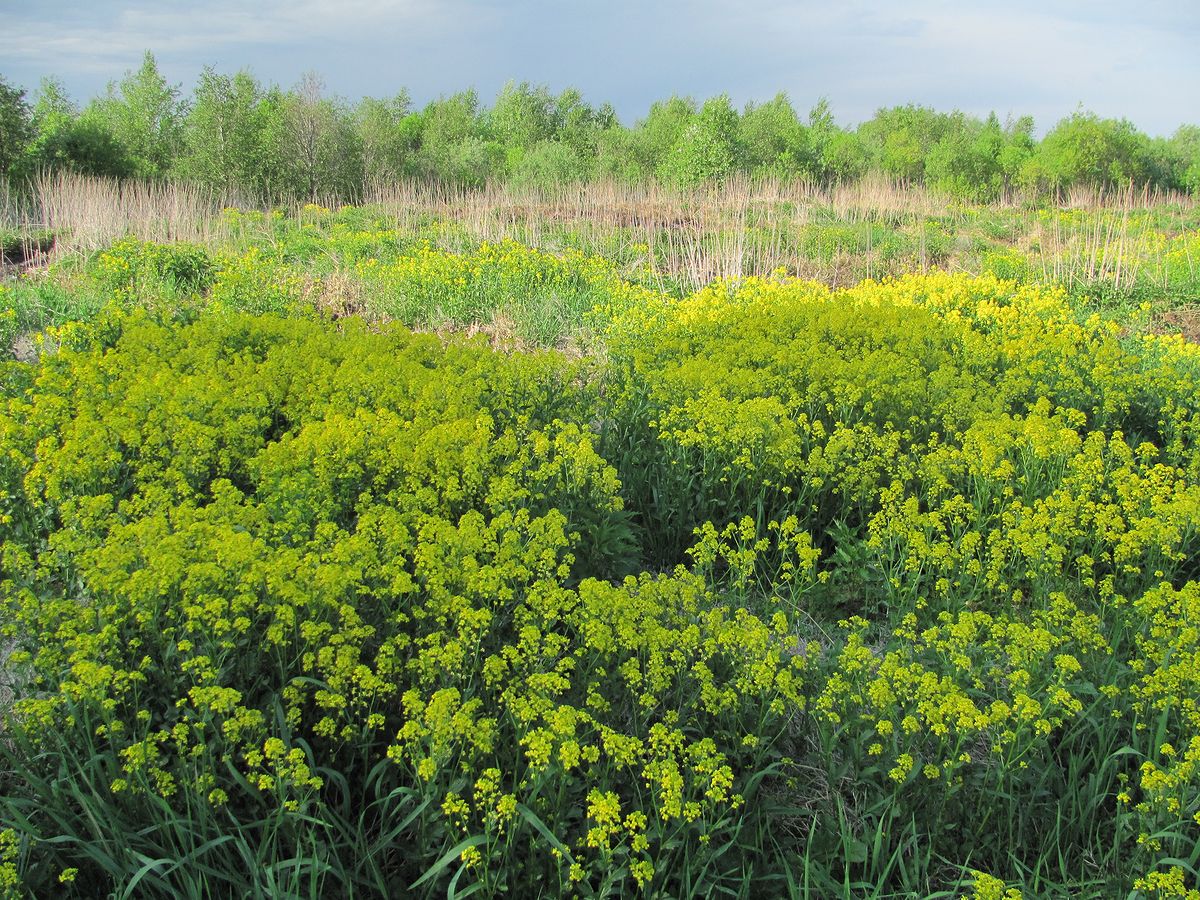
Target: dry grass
{"points": [[620, 204], [338, 295], [1109, 244], [739, 227], [1126, 197], [87, 213], [1184, 321]]}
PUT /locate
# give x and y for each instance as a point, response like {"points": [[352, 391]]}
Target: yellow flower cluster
{"points": [[973, 688], [989, 887], [253, 281], [908, 551], [1003, 493], [538, 290], [305, 553]]}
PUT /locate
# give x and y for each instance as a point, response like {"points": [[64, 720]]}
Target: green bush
{"points": [[299, 608], [321, 594], [133, 269]]}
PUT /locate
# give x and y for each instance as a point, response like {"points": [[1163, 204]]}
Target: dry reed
{"points": [[86, 214], [742, 226], [738, 227]]}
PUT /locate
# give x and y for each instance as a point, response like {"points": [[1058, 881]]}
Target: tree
{"points": [[145, 116], [1185, 157], [1018, 146], [16, 127], [233, 135], [1174, 163], [707, 149], [636, 154], [658, 134], [522, 116], [1085, 149], [899, 139], [62, 140], [619, 154], [580, 125], [549, 164], [453, 144], [774, 140], [385, 146], [965, 162], [322, 144], [836, 155]]}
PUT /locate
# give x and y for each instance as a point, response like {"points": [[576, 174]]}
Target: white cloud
{"points": [[199, 27]]}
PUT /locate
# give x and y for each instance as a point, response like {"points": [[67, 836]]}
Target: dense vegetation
{"points": [[236, 133], [761, 589], [469, 262]]}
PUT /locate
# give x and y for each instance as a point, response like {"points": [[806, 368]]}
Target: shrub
{"points": [[133, 270], [296, 607]]}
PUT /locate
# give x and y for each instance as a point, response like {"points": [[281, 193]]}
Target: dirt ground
{"points": [[1185, 321]]}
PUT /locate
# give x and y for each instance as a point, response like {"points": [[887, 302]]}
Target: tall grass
{"points": [[1117, 243], [836, 234], [738, 227], [86, 214], [1111, 244]]}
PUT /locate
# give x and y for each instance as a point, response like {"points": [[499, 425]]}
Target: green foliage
{"points": [[296, 608], [900, 138], [145, 116], [706, 149], [300, 607], [969, 474], [838, 156], [255, 282], [620, 156], [649, 144], [385, 149], [320, 143], [16, 128], [549, 164], [450, 142], [64, 140], [773, 140], [966, 163], [522, 115], [1085, 149], [579, 124], [547, 140], [545, 299], [1182, 159], [231, 135], [367, 544], [275, 144]]}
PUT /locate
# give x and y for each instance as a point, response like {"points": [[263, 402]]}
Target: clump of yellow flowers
{"points": [[889, 587]]}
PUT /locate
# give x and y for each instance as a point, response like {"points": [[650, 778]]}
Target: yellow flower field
{"points": [[778, 591]]}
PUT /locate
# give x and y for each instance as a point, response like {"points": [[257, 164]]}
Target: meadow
{"points": [[764, 540]]}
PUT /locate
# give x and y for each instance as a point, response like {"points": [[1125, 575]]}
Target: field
{"points": [[756, 541]]}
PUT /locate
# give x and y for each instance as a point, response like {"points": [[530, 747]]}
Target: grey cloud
{"points": [[1025, 56]]}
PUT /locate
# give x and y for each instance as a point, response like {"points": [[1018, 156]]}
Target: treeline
{"points": [[234, 132]]}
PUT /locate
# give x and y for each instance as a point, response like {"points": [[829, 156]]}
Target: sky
{"points": [[1045, 58]]}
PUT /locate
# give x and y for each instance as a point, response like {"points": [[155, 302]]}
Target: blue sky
{"points": [[1135, 60]]}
